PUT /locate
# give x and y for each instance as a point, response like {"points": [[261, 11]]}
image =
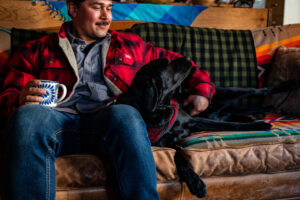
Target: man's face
{"points": [[92, 19]]}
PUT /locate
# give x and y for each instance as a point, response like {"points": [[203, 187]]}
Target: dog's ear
{"points": [[150, 96], [150, 69]]}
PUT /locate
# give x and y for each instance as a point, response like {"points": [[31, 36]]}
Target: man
{"points": [[95, 64]]}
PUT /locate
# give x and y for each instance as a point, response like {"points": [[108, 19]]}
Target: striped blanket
{"points": [[267, 42], [284, 129]]}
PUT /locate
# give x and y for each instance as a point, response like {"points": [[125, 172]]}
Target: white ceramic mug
{"points": [[51, 97]]}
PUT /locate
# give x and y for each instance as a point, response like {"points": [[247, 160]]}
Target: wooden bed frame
{"points": [[33, 15]]}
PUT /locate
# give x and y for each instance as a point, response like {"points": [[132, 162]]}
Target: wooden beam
{"points": [[232, 18], [27, 15], [121, 25]]}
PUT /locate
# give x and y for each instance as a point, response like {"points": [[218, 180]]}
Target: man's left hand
{"points": [[196, 104]]}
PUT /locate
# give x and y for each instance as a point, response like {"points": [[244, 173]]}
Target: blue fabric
{"points": [[169, 14], [37, 134], [91, 91]]}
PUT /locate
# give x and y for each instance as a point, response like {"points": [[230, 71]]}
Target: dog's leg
{"points": [[202, 124]]}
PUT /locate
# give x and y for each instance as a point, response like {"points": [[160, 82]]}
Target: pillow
{"points": [[285, 66], [266, 42]]}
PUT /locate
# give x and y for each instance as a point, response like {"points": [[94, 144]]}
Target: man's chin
{"points": [[101, 33]]}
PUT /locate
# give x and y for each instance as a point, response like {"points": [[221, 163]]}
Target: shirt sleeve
{"points": [[19, 71]]}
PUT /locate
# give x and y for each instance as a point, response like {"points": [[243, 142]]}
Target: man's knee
{"points": [[27, 123], [129, 122], [28, 114], [124, 112]]}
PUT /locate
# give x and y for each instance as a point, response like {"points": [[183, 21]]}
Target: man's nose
{"points": [[103, 14]]}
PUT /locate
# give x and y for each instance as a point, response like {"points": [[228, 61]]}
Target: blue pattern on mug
{"points": [[49, 97]]}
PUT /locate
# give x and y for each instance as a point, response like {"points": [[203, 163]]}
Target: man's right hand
{"points": [[29, 93]]}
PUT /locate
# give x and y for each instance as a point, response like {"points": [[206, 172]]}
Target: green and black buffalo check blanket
{"points": [[228, 55]]}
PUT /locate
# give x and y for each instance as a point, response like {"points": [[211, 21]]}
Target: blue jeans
{"points": [[36, 135]]}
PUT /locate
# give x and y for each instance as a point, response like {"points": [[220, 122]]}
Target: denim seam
{"points": [[115, 166], [48, 179]]}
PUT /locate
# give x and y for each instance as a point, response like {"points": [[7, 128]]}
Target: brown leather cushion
{"points": [[78, 171], [285, 66], [249, 159]]}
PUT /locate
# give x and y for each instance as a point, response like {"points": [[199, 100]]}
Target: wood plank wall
{"points": [[33, 15], [27, 15]]}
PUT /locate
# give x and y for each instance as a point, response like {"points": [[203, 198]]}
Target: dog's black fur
{"points": [[153, 88]]}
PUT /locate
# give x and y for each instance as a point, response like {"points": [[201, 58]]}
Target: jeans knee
{"points": [[126, 114], [26, 115], [25, 124], [129, 122]]}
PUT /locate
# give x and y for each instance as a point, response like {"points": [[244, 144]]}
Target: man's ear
{"points": [[72, 9]]}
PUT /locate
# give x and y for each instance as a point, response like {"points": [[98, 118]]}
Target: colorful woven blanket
{"points": [[285, 129], [170, 14], [268, 40]]}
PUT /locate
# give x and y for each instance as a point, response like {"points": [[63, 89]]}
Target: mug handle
{"points": [[64, 90]]}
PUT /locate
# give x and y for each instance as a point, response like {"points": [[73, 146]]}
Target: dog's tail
{"points": [[203, 124], [186, 173]]}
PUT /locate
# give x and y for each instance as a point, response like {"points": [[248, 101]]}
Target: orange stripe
{"points": [[269, 49], [278, 43], [277, 124]]}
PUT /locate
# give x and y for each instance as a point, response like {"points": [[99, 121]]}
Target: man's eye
{"points": [[96, 7]]}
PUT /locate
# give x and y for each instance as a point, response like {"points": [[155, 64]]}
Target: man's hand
{"points": [[29, 93], [196, 104]]}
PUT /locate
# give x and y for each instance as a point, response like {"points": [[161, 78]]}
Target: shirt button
{"points": [[120, 59], [82, 47], [86, 62], [115, 78]]}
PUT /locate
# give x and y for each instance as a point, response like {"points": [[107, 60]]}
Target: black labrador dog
{"points": [[151, 93], [153, 88]]}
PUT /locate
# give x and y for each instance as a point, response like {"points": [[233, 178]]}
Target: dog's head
{"points": [[155, 82], [161, 78]]}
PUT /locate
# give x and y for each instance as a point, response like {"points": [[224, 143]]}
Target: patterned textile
{"points": [[228, 55], [268, 40], [285, 129], [20, 36], [58, 8], [170, 14]]}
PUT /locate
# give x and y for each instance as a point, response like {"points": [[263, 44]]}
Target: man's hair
{"points": [[76, 2]]}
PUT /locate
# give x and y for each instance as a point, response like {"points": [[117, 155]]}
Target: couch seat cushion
{"points": [[241, 153], [79, 171]]}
